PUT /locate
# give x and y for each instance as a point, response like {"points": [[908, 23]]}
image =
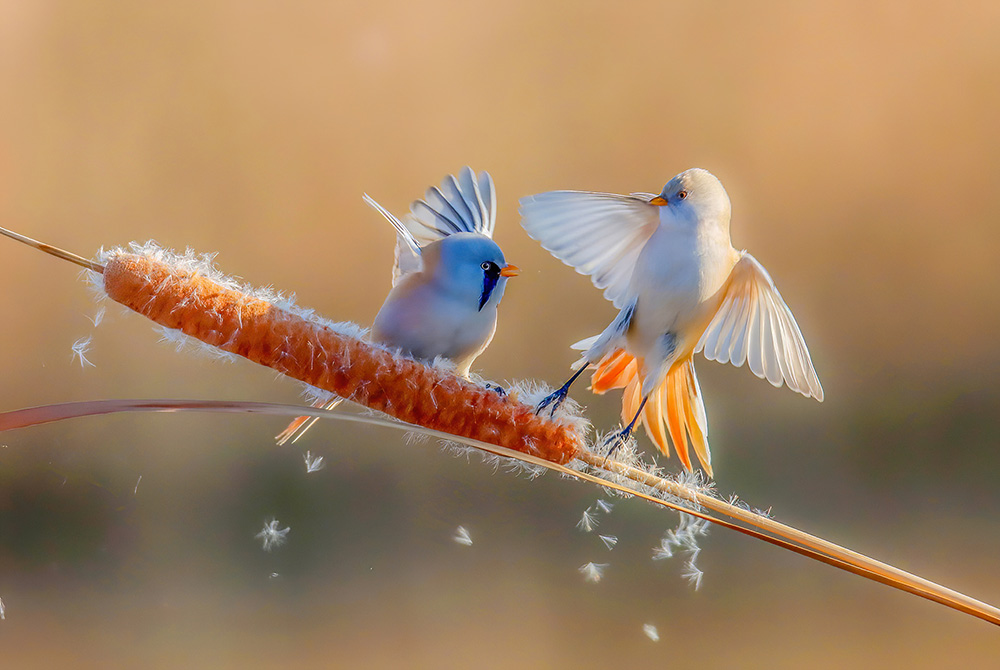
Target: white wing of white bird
{"points": [[597, 234], [754, 325], [463, 204]]}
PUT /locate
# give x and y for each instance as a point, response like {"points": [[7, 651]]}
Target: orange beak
{"points": [[510, 271], [659, 201]]}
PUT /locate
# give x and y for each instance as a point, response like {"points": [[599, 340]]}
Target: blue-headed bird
{"points": [[447, 281]]}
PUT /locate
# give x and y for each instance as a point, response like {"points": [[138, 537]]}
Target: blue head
{"points": [[469, 266]]}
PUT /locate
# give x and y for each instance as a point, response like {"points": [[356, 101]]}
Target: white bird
{"points": [[447, 281], [667, 263]]}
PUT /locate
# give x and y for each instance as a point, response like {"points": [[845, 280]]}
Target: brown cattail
{"points": [[317, 354]]}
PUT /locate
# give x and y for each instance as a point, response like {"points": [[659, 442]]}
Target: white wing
{"points": [[753, 324], [489, 194], [598, 234], [407, 248]]}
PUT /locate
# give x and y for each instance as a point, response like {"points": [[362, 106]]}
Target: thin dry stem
{"points": [[866, 565], [54, 251], [762, 528], [441, 403]]}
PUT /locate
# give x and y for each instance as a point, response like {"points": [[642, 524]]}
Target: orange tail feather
{"points": [[298, 427], [671, 394], [694, 413], [630, 400], [674, 408], [652, 418], [613, 372]]}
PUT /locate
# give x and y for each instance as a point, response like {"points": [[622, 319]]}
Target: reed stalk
{"points": [[437, 402]]}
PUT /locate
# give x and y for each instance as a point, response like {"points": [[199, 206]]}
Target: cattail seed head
{"points": [[313, 352]]}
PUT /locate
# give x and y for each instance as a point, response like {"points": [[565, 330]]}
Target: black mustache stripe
{"points": [[489, 283]]}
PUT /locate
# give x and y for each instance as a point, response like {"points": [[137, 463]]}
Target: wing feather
{"points": [[738, 348], [734, 324], [466, 204], [755, 326], [436, 214], [777, 365], [404, 233], [463, 204], [453, 192], [772, 347], [407, 257], [473, 198], [489, 193], [754, 348], [598, 234]]}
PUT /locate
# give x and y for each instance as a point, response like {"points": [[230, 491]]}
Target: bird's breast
{"points": [[676, 277], [668, 269], [426, 324]]}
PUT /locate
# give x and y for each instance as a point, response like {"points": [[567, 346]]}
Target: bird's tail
{"points": [[674, 408], [299, 426]]}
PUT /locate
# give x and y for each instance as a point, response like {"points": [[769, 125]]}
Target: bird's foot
{"points": [[553, 401], [616, 441], [496, 388], [558, 397]]}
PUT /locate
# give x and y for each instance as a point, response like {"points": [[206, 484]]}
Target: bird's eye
{"points": [[486, 265], [681, 195]]}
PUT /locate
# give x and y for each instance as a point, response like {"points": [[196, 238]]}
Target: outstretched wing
{"points": [[754, 325], [598, 234], [463, 204]]}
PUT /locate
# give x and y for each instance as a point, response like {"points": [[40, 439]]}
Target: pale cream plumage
{"points": [[667, 262]]}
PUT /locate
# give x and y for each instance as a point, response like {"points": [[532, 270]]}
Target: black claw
{"points": [[555, 399], [496, 388], [617, 440]]}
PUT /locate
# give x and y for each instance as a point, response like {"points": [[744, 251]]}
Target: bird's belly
{"points": [[657, 314], [667, 288], [675, 285], [427, 330]]}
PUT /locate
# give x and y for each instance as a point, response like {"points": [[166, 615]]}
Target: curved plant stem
{"points": [[738, 519], [570, 445], [881, 572]]}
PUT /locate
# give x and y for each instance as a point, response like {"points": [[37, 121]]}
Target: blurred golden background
{"points": [[860, 146]]}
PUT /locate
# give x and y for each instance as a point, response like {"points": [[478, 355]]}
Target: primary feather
{"points": [[463, 204], [598, 234], [753, 324]]}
